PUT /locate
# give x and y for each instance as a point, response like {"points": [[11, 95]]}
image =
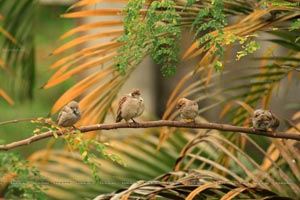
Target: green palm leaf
{"points": [[19, 54]]}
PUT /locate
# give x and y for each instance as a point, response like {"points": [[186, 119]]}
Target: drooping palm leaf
{"points": [[19, 53], [252, 87], [70, 178], [97, 56], [190, 185], [279, 163], [4, 66], [6, 97], [198, 173]]}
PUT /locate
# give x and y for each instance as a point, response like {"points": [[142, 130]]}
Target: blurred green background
{"points": [[48, 27]]}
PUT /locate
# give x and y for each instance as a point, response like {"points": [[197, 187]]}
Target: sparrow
{"points": [[264, 120], [130, 106], [188, 109], [69, 115]]}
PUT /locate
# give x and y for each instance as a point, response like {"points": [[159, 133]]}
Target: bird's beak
{"points": [[76, 111]]}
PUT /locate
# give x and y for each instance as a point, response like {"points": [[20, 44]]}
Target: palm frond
{"points": [[6, 97], [70, 178], [94, 56], [252, 86], [197, 172], [193, 184], [18, 46], [279, 165], [4, 66]]}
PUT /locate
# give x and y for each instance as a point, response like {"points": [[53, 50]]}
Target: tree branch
{"points": [[17, 121], [221, 127]]}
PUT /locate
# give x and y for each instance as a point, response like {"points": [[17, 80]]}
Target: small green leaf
{"points": [[218, 66], [295, 25], [55, 135]]}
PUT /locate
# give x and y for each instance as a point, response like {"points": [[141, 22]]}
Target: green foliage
{"points": [[158, 31], [91, 150], [249, 46], [20, 180], [129, 50], [213, 12], [218, 66], [165, 25], [190, 3], [210, 19], [295, 26], [155, 33], [44, 124]]}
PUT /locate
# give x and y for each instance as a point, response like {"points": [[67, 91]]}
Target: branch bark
{"points": [[150, 124]]}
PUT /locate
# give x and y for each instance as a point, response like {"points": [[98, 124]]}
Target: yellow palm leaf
{"points": [[6, 97], [88, 38]]}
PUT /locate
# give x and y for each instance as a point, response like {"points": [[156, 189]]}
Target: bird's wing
{"points": [[119, 111], [63, 111], [277, 120]]}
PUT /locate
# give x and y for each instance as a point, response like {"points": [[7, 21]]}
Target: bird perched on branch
{"points": [[188, 109], [265, 120], [130, 106], [69, 115]]}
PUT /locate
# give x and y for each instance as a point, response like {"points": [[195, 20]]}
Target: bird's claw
{"points": [[134, 121]]}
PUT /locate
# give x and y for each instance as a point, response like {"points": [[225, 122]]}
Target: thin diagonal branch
{"points": [[17, 121], [150, 124]]}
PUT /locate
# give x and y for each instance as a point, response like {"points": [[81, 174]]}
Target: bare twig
{"points": [[221, 127], [17, 121], [292, 125]]}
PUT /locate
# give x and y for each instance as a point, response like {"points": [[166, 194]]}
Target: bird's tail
{"points": [[118, 119]]}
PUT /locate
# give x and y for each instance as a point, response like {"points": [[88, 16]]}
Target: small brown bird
{"points": [[130, 106], [264, 120], [188, 109], [69, 115]]}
